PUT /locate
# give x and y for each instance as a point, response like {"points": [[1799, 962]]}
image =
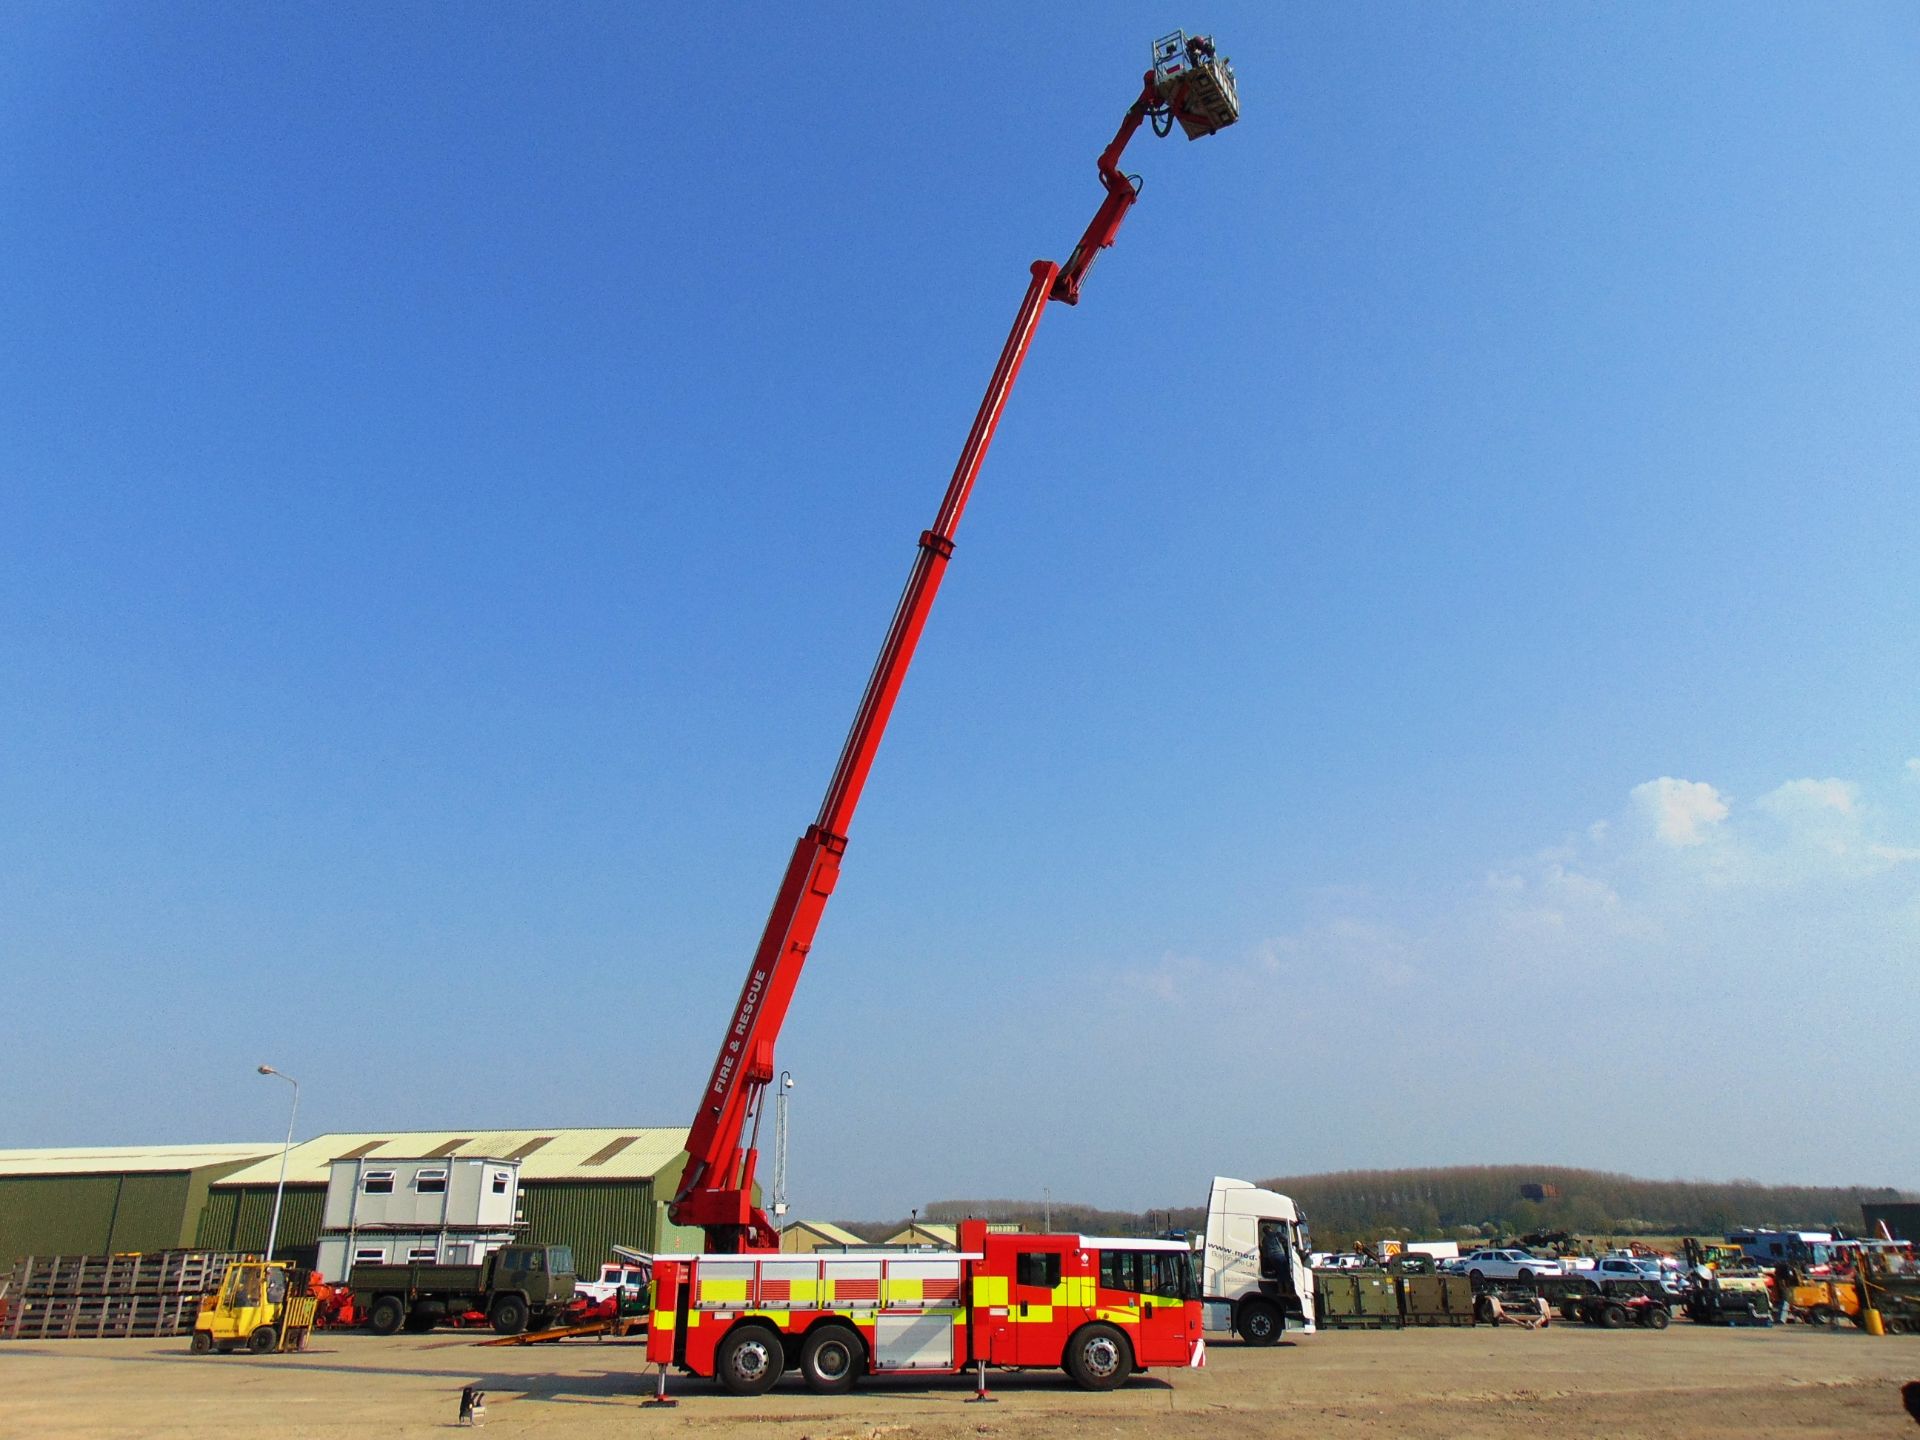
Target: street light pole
{"points": [[273, 1226]]}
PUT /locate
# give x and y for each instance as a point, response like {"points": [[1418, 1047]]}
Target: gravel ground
{"points": [[1562, 1382]]}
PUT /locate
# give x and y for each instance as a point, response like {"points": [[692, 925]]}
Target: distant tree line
{"points": [[1490, 1202], [1467, 1203]]}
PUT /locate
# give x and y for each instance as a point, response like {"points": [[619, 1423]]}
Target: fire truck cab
{"points": [[1103, 1309]]}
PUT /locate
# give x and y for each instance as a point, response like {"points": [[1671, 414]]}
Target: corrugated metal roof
{"points": [[110, 1159], [547, 1154], [828, 1231]]}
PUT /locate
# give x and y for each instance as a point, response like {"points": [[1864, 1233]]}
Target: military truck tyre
{"points": [[750, 1360], [509, 1315], [831, 1360], [264, 1340], [388, 1314], [202, 1342], [1098, 1357], [1259, 1322]]}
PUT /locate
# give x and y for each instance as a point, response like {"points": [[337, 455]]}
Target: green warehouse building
{"points": [[588, 1188], [104, 1199]]}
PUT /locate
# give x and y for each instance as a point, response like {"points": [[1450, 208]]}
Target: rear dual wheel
{"points": [[831, 1360], [388, 1314], [750, 1360]]}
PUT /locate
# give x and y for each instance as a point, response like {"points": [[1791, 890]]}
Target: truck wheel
{"points": [[831, 1360], [1260, 1322], [509, 1315], [1098, 1357], [264, 1341], [388, 1314], [202, 1342], [1658, 1317], [749, 1361], [1612, 1316]]}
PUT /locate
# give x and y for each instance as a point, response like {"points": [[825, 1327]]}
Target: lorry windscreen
{"points": [[560, 1259]]}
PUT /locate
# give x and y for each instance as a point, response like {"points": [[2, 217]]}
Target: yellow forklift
{"points": [[268, 1308]]}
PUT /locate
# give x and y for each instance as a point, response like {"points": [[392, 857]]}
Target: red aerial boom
{"points": [[1189, 84]]}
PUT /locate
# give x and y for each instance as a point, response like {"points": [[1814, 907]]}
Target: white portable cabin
{"points": [[432, 1193], [434, 1210]]}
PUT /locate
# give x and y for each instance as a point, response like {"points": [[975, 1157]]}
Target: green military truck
{"points": [[514, 1287]]}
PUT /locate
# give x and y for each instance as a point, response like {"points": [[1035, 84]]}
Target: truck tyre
{"points": [[1259, 1322], [1098, 1357], [831, 1360], [202, 1342], [1658, 1317], [388, 1314], [264, 1340], [1612, 1315], [749, 1361], [509, 1315]]}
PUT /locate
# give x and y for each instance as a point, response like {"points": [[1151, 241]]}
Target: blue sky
{"points": [[1428, 675]]}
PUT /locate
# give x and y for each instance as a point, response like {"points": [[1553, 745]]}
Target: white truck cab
{"points": [[1255, 1263]]}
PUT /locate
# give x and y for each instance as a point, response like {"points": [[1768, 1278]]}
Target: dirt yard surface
{"points": [[1562, 1382]]}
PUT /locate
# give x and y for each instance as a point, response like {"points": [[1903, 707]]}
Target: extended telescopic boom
{"points": [[1188, 84]]}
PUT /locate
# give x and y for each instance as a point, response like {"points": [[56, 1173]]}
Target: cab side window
{"points": [[1037, 1267]]}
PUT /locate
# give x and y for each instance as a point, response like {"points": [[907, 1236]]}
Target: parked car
{"points": [[614, 1277], [1637, 1270], [1338, 1260], [1510, 1265]]}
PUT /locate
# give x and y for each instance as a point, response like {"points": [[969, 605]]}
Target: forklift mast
{"points": [[1189, 85]]}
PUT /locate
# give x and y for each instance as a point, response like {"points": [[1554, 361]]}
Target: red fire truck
{"points": [[743, 1312], [1102, 1309]]}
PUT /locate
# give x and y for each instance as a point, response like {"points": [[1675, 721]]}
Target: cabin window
{"points": [[501, 1179], [377, 1182], [420, 1254], [376, 1255], [430, 1182], [1037, 1267]]}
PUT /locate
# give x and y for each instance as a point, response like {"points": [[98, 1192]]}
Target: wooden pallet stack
{"points": [[68, 1297]]}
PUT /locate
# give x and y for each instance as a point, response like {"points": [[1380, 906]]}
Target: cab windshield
{"points": [[560, 1259]]}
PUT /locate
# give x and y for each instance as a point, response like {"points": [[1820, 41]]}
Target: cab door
{"points": [[1030, 1308], [1169, 1320]]}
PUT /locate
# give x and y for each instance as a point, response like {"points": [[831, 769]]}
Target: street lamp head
{"points": [[268, 1070]]}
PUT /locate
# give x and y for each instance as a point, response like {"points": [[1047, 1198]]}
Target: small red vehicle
{"points": [[1101, 1309]]}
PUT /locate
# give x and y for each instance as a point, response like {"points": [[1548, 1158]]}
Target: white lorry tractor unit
{"points": [[1255, 1276]]}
